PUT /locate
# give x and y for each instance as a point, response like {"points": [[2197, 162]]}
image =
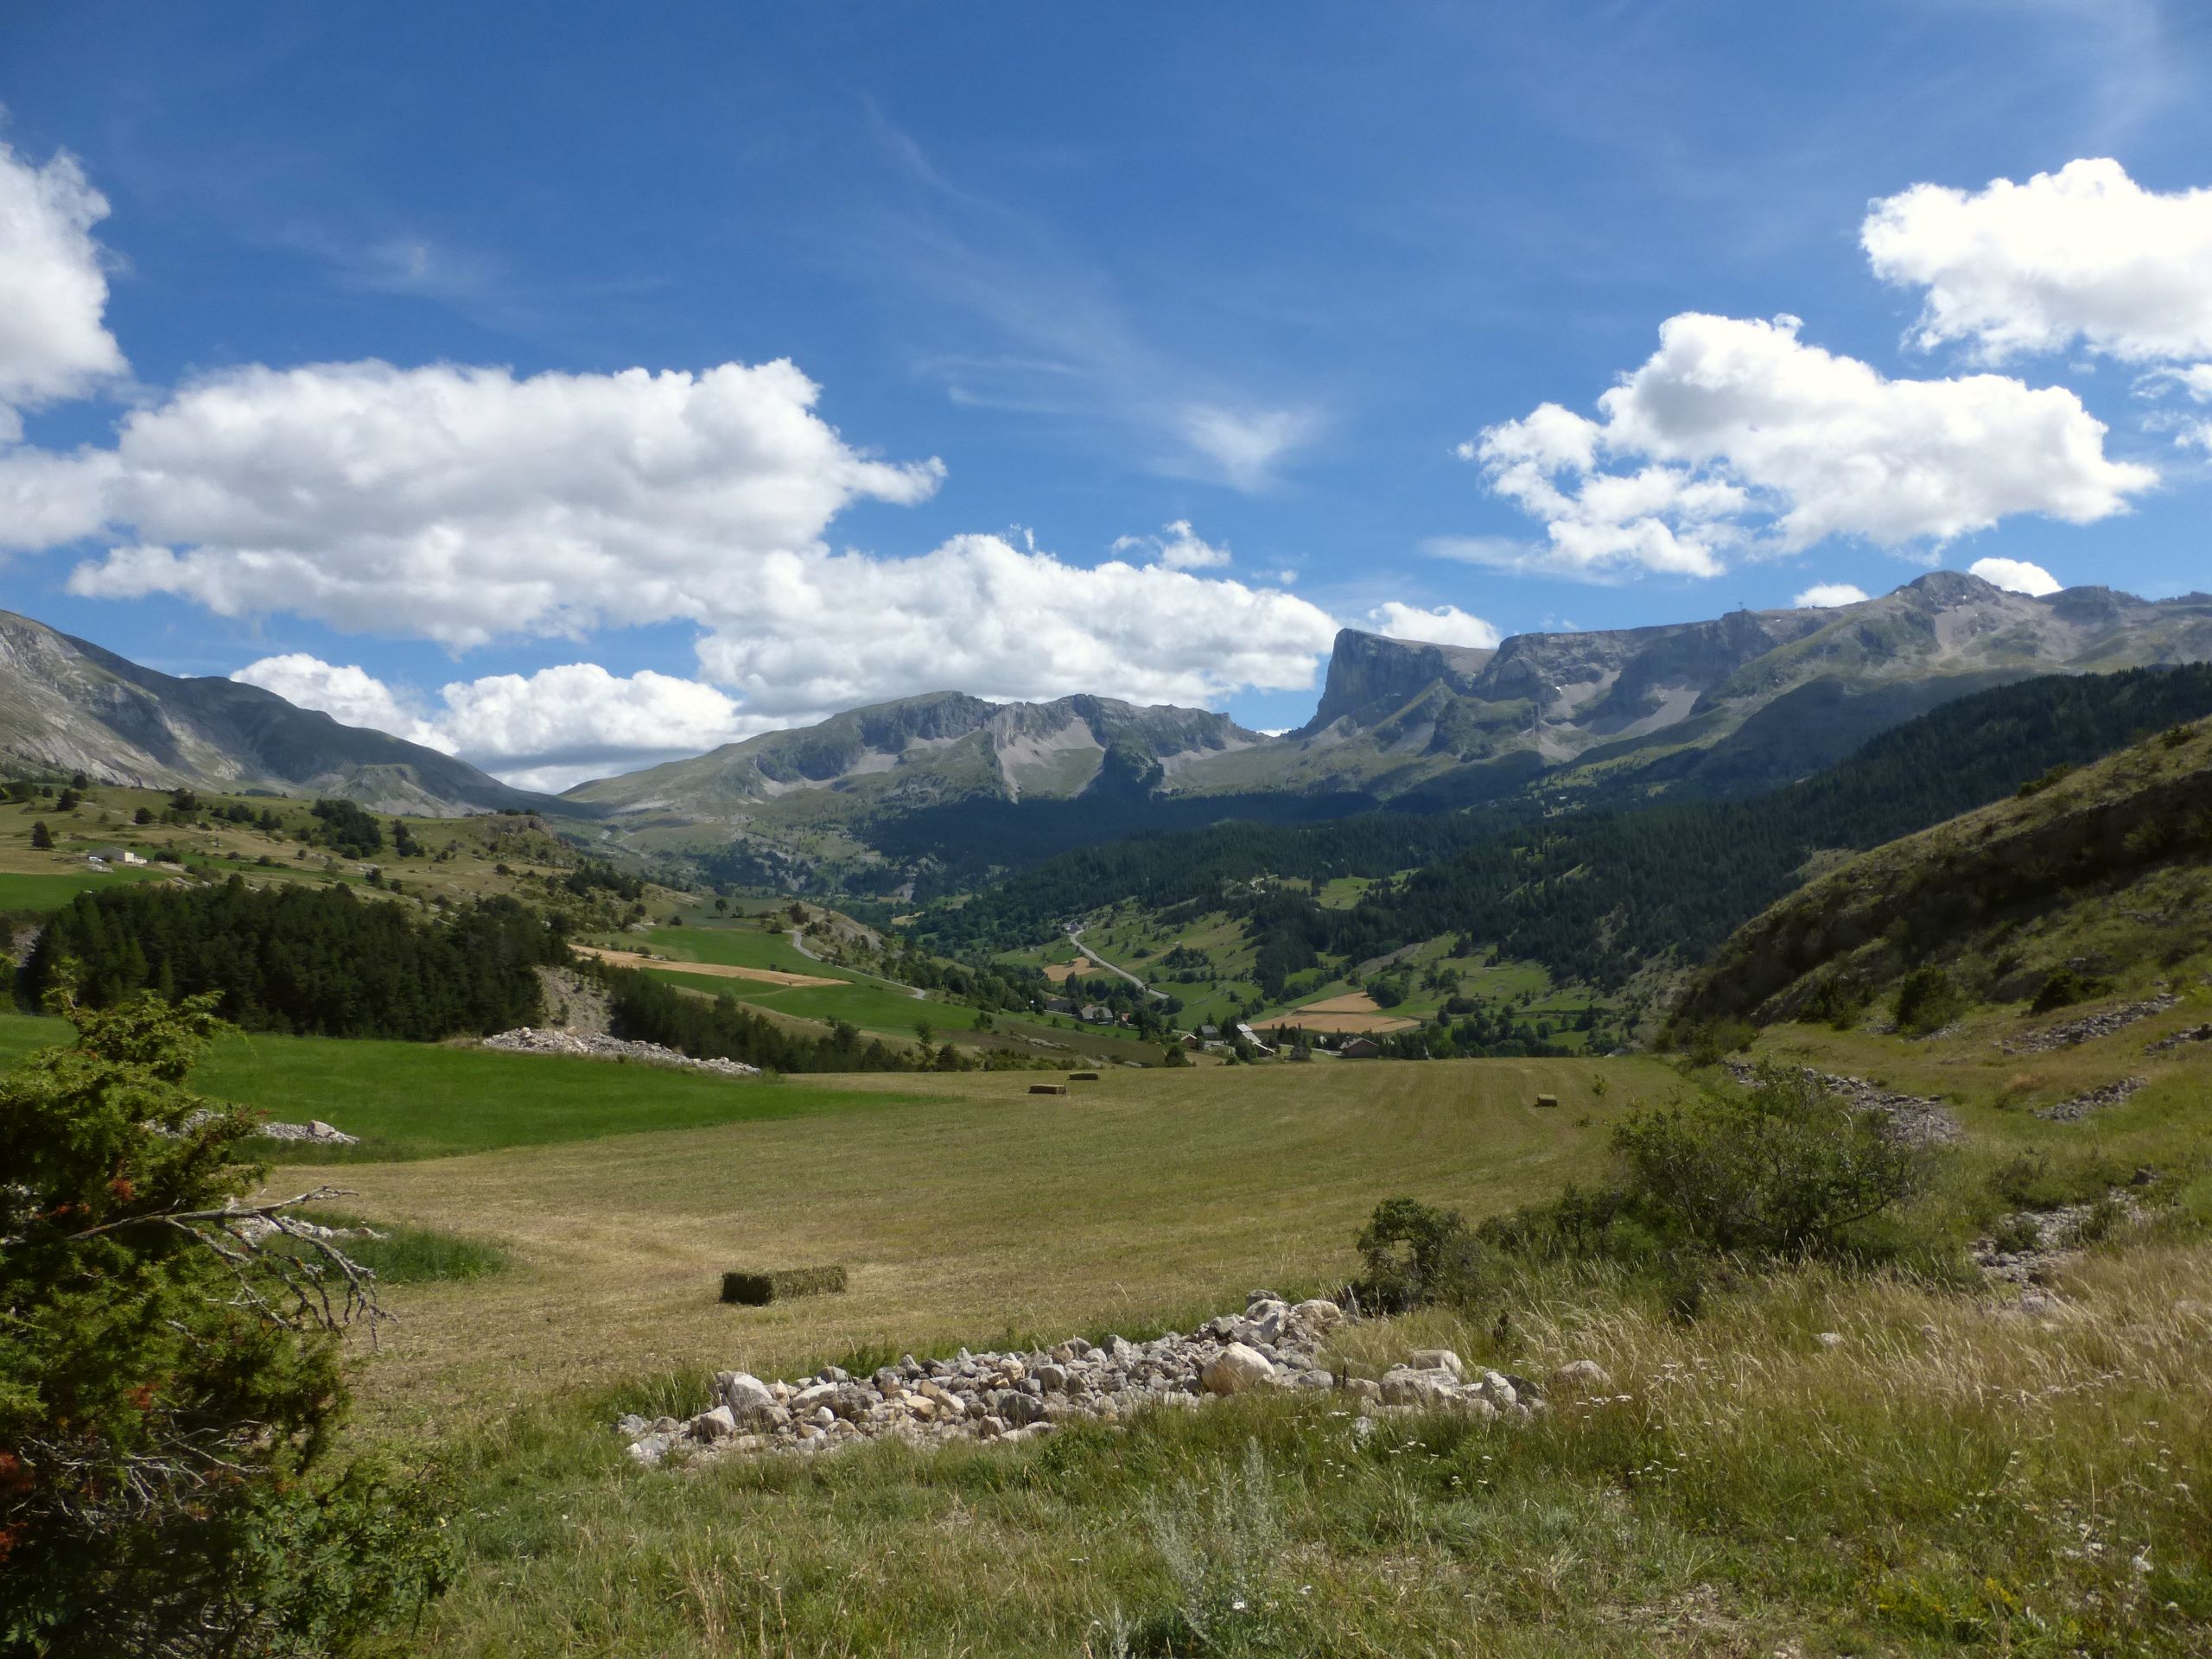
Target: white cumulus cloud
{"points": [[1446, 625], [545, 730], [2083, 254], [2016, 575], [461, 503], [1827, 595], [349, 694], [54, 338], [1736, 436], [979, 615], [1178, 547]]}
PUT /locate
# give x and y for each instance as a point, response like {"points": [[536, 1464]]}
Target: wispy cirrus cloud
{"points": [[1047, 333]]}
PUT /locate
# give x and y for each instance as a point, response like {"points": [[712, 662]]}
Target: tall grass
{"points": [[1951, 1475]]}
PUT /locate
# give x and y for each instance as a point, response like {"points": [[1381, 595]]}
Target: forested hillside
{"points": [[2052, 894], [1593, 897], [313, 961]]}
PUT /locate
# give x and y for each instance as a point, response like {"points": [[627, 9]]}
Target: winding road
{"points": [[1075, 938]]}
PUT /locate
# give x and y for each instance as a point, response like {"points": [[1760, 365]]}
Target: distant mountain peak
{"points": [[67, 705]]}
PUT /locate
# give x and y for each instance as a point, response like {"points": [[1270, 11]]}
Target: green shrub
{"points": [[2016, 1234], [169, 1392], [1834, 999], [2036, 1180], [1928, 999], [1780, 1169], [1411, 1253], [2067, 987], [1708, 1044]]}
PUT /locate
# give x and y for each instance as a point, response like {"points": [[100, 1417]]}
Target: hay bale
{"points": [[1048, 1088], [781, 1284], [1082, 1077], [1547, 1100]]}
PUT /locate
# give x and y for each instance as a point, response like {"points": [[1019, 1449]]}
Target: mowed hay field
{"points": [[964, 1207]]}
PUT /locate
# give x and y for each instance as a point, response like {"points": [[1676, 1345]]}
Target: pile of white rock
{"points": [[317, 1131], [1020, 1396], [536, 1039]]}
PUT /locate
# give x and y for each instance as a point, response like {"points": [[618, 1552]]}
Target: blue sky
{"points": [[1131, 349]]}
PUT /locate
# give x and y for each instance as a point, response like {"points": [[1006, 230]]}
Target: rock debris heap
{"points": [[532, 1040], [317, 1131], [2066, 1111], [2089, 1027], [2194, 1034], [1019, 1396]]}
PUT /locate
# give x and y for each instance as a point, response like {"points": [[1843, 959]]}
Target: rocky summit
{"points": [[1272, 1346]]}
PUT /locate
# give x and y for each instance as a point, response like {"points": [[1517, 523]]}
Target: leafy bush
{"points": [[1411, 1253], [2067, 987], [1927, 999], [1708, 1043], [1835, 1000], [1780, 1169], [347, 829], [169, 1392]]}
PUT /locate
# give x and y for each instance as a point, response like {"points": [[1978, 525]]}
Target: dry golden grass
{"points": [[708, 970], [1146, 1196]]}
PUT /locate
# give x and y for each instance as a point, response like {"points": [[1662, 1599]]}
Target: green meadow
{"points": [[431, 1100]]}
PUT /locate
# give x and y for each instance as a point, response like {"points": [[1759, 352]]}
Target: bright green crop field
{"points": [[21, 891], [428, 1100]]}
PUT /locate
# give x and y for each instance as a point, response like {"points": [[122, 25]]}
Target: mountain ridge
{"points": [[68, 705], [1745, 701]]}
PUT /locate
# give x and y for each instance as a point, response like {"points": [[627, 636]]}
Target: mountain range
{"points": [[1745, 702], [1742, 702], [68, 706]]}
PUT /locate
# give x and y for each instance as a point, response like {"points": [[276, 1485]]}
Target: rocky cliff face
{"points": [[66, 705], [1371, 676], [1390, 706]]}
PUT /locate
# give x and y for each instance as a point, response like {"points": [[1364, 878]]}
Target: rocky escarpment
{"points": [[1026, 1396], [1371, 676]]}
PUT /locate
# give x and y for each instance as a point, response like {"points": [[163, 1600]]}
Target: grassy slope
{"points": [[2111, 858], [479, 847]]}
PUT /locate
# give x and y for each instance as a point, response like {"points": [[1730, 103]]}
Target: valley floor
{"points": [[964, 1207]]}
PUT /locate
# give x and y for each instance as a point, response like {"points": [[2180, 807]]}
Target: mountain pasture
{"points": [[959, 1204]]}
